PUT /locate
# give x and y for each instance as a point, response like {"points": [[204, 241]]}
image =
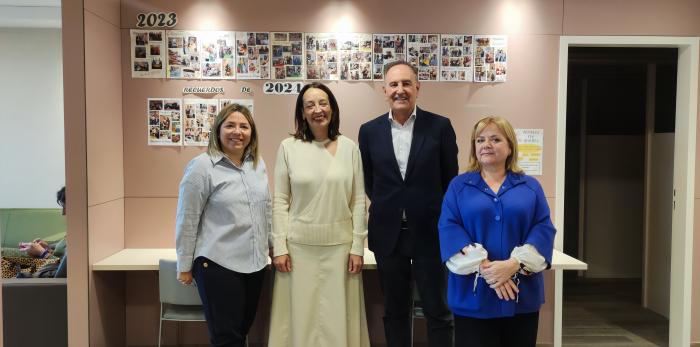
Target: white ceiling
{"points": [[30, 13]]}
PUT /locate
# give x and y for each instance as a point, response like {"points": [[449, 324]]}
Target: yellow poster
{"points": [[530, 148]]}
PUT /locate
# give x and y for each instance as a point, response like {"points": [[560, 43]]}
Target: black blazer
{"points": [[432, 163]]}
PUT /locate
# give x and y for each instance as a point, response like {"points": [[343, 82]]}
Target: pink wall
{"points": [[152, 174], [138, 183], [76, 169]]}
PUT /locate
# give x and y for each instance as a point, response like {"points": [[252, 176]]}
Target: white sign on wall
{"points": [[530, 148]]}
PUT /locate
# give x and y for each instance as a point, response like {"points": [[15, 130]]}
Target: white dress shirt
{"points": [[401, 137]]}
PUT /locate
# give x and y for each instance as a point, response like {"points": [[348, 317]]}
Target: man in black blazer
{"points": [[409, 157]]}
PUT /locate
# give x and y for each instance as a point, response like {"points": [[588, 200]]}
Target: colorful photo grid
{"points": [[355, 56], [199, 119], [287, 55], [147, 53], [253, 55], [457, 58], [183, 55], [321, 56], [387, 48], [164, 122], [424, 54], [490, 58], [217, 54]]}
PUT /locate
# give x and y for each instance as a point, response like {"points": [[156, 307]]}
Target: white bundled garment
{"points": [[467, 261], [529, 257]]}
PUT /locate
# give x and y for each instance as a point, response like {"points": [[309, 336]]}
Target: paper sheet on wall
{"points": [[287, 55], [147, 53], [253, 55], [183, 55], [490, 58], [199, 118], [164, 122], [321, 56], [244, 102], [457, 58], [424, 54], [355, 56], [217, 54], [387, 48], [530, 148]]}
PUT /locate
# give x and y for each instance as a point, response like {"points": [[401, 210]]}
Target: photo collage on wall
{"points": [[199, 119], [424, 54], [315, 56], [253, 55], [217, 54], [490, 58], [287, 55], [147, 53], [164, 122], [321, 56], [183, 55], [387, 48], [457, 58], [355, 56]]}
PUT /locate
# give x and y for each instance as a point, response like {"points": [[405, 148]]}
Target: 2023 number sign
{"points": [[156, 20]]}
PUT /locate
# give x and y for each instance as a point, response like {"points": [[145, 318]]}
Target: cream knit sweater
{"points": [[319, 198]]}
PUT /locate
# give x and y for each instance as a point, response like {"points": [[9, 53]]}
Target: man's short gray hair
{"points": [[388, 67]]}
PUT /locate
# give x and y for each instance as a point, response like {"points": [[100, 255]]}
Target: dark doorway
{"points": [[620, 123]]}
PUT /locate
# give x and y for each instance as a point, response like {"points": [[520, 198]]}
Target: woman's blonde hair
{"points": [[215, 141], [506, 129]]}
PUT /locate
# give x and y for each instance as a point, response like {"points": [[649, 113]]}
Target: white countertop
{"points": [[140, 259]]}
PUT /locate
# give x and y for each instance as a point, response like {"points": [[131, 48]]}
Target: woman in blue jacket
{"points": [[496, 237]]}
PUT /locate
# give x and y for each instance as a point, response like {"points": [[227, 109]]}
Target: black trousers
{"points": [[230, 300], [395, 276], [517, 331]]}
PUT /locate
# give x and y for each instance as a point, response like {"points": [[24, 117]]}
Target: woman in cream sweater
{"points": [[318, 231]]}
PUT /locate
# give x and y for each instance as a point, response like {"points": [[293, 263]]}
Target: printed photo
{"points": [[155, 104], [141, 39], [141, 66], [140, 52], [155, 35]]}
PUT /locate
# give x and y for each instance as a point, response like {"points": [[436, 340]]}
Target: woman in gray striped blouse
{"points": [[223, 223]]}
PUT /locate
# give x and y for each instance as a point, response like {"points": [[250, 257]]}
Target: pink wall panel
{"points": [[482, 16], [106, 225], [105, 148], [108, 10], [150, 222], [625, 17], [76, 169], [152, 174]]}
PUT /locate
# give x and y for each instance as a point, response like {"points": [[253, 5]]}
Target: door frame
{"points": [[683, 172]]}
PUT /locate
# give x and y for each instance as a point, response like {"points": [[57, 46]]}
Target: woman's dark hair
{"points": [[61, 197], [302, 130]]}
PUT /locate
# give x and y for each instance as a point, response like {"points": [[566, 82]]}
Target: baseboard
{"points": [[545, 344]]}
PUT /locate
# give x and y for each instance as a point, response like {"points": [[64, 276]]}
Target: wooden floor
{"points": [[608, 313]]}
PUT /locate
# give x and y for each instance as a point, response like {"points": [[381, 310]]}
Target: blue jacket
{"points": [[472, 213]]}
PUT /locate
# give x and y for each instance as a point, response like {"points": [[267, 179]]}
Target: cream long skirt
{"points": [[318, 303]]}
